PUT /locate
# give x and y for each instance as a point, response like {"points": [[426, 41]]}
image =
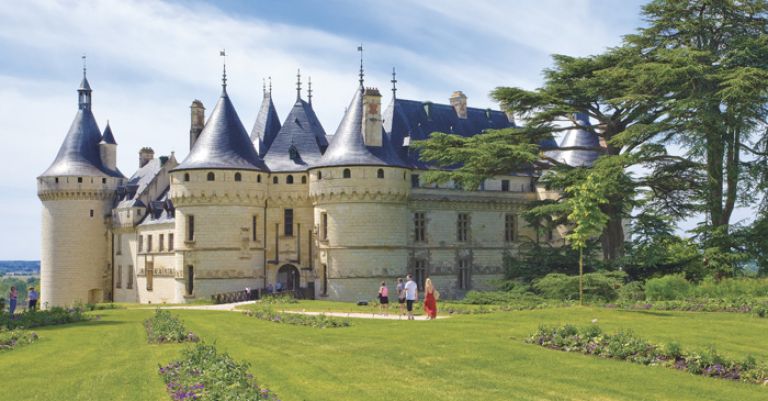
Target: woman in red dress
{"points": [[430, 300]]}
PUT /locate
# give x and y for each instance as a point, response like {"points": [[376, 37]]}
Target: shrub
{"points": [[598, 287], [53, 316], [632, 292], [758, 308], [10, 339], [669, 287], [204, 373], [166, 328], [277, 299], [319, 321], [730, 288]]}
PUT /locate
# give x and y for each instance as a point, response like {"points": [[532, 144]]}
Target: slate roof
{"points": [[79, 153], [128, 194], [160, 211], [107, 136], [347, 147], [578, 137], [266, 127], [223, 143], [300, 143]]}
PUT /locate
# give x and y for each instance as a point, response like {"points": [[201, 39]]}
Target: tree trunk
{"points": [[612, 239], [581, 276]]}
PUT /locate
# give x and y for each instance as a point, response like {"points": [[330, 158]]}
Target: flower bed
{"points": [[10, 339], [757, 307], [625, 345], [53, 316], [205, 374], [319, 321], [277, 299], [166, 328]]}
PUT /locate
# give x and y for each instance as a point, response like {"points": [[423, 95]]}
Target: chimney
{"points": [[459, 103], [198, 121], [372, 124], [145, 155]]}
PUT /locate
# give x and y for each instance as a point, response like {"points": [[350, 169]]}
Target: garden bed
{"points": [[757, 307], [53, 316], [11, 339], [624, 345], [319, 321], [163, 328]]}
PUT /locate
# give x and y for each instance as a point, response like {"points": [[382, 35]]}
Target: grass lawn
{"points": [[477, 357]]}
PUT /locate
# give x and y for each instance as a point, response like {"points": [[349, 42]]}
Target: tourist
{"points": [[12, 297], [411, 295], [384, 297], [32, 297], [270, 290], [279, 287], [400, 289], [430, 300]]}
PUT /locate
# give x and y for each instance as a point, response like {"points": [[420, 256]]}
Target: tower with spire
{"points": [[77, 192]]}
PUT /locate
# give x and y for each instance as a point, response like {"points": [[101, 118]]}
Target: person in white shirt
{"points": [[411, 295]]}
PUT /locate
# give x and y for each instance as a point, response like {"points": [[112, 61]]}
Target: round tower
{"points": [[360, 190], [77, 192]]}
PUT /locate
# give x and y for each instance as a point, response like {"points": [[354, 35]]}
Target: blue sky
{"points": [[148, 60]]}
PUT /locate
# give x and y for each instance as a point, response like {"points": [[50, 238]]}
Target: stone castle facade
{"points": [[328, 216]]}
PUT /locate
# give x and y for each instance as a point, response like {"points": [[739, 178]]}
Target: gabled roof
{"points": [[347, 147], [300, 142], [581, 138], [223, 143], [266, 127], [107, 137]]}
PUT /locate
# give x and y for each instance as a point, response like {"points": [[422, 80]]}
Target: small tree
{"points": [[587, 219]]}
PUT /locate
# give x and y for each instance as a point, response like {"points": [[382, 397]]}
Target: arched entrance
{"points": [[288, 276]]}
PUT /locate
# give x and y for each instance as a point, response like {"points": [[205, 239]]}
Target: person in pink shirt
{"points": [[384, 297], [12, 298]]}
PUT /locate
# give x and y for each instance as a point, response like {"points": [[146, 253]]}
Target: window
{"points": [[149, 243], [253, 228], [274, 180], [186, 176], [118, 244], [325, 280], [289, 179], [190, 282], [141, 243], [505, 185], [462, 227], [150, 268], [510, 227], [119, 278], [91, 212], [420, 273], [319, 175], [380, 173], [419, 227], [258, 178], [324, 226], [79, 179], [238, 177], [211, 176], [347, 173], [56, 180], [288, 222], [414, 180], [161, 243], [129, 280], [190, 228], [464, 276], [303, 179], [170, 242], [103, 180]]}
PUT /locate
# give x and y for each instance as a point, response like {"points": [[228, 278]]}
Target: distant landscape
{"points": [[20, 267]]}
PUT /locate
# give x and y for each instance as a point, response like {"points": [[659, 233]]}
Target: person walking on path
{"points": [[384, 297], [411, 295], [430, 299], [12, 297], [400, 289], [32, 297]]}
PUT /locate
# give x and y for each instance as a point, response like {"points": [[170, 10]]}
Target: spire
{"points": [[223, 53], [298, 84], [360, 49], [394, 83], [84, 91], [108, 137], [309, 89]]}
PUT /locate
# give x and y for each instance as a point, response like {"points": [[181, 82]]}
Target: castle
{"points": [[288, 206]]}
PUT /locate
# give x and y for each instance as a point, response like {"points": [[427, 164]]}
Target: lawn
{"points": [[477, 357]]}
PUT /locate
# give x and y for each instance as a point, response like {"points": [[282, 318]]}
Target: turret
{"points": [[77, 192], [197, 114], [267, 123]]}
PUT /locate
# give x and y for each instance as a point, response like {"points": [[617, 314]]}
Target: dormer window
{"points": [[347, 173], [211, 176], [238, 177], [293, 153]]}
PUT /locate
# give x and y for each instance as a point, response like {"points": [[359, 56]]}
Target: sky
{"points": [[147, 61]]}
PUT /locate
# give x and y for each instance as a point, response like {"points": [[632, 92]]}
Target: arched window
{"points": [[303, 179], [319, 175], [258, 178], [186, 176], [238, 177], [347, 173], [79, 179], [289, 179], [274, 180], [380, 173], [404, 176], [211, 176]]}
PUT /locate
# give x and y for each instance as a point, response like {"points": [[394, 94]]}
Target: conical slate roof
{"points": [[107, 137], [79, 153], [579, 137], [347, 147], [84, 85], [223, 143], [300, 142], [266, 127]]}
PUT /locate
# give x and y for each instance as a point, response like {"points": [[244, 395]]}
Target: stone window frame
{"points": [[510, 227], [289, 179], [170, 242], [161, 243], [419, 227], [420, 272], [463, 227], [347, 173], [380, 173], [464, 274], [211, 176], [119, 278], [288, 220], [238, 177], [129, 280], [324, 226]]}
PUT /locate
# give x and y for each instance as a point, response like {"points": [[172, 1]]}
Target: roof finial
{"points": [[223, 53], [84, 66], [270, 86], [298, 84], [309, 89], [360, 49], [264, 86], [394, 83]]}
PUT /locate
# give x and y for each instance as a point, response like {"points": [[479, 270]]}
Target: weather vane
{"points": [[360, 49], [223, 53]]}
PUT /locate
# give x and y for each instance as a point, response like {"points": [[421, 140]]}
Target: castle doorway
{"points": [[288, 276]]}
